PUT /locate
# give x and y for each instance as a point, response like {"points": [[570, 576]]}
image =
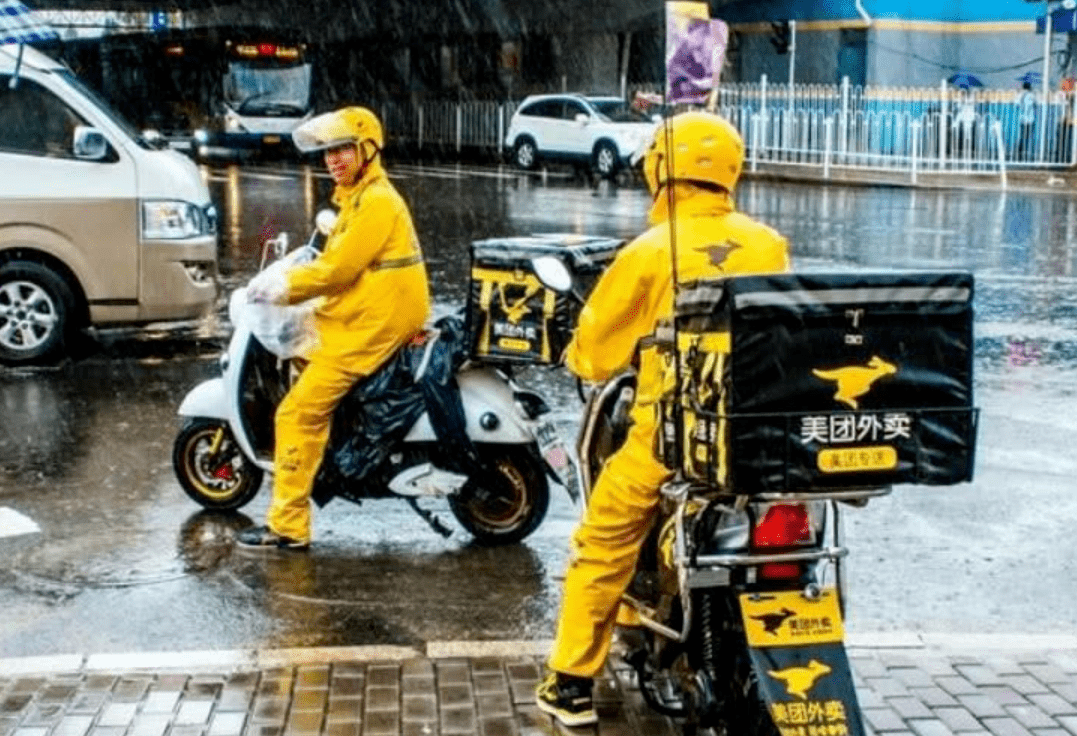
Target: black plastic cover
{"points": [[372, 420]]}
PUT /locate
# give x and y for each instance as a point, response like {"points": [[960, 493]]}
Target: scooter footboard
{"points": [[797, 649]]}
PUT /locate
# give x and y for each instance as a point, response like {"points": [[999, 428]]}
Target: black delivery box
{"points": [[831, 381], [511, 315]]}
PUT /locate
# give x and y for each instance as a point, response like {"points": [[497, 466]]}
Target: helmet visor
{"points": [[327, 130]]}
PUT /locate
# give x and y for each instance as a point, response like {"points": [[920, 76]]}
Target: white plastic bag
{"points": [[285, 330]]}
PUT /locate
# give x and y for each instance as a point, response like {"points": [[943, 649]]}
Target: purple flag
{"points": [[695, 51]]}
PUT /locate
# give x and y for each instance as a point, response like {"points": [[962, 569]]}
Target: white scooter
{"points": [[432, 422]]}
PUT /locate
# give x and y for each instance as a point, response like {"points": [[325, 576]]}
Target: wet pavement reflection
{"points": [[124, 561]]}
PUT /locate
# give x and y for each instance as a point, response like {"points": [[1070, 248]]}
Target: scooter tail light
{"points": [[784, 525]]}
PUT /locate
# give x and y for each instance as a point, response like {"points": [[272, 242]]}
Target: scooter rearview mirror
{"points": [[551, 271], [280, 245], [325, 220]]}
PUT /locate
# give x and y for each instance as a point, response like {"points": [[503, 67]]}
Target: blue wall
{"points": [[753, 11], [911, 42]]}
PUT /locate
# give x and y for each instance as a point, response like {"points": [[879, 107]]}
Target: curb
{"points": [[246, 659]]}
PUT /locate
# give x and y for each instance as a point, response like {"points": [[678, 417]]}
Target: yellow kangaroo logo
{"points": [[856, 380], [799, 680], [518, 309]]}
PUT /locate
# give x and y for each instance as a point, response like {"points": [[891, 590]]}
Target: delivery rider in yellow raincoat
{"points": [[374, 297], [691, 168]]}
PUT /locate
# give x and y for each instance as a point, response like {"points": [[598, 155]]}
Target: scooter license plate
{"points": [[786, 618], [557, 457]]}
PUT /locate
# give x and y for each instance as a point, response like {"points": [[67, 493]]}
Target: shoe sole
{"points": [[271, 547], [567, 719]]}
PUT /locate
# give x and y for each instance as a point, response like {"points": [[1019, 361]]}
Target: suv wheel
{"points": [[524, 154], [606, 160]]}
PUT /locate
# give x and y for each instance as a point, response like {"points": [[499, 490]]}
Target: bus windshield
{"points": [[266, 90]]}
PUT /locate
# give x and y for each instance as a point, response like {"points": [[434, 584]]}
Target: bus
{"points": [[204, 91], [266, 93]]}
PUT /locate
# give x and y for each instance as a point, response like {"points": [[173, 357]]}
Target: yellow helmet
{"points": [[697, 146], [356, 125]]}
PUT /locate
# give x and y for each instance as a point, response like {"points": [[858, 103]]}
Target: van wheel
{"points": [[36, 308]]}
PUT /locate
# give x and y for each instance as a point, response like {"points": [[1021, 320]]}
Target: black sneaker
{"points": [[263, 536], [567, 698]]}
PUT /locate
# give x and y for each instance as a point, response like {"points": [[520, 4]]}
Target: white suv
{"points": [[602, 132]]}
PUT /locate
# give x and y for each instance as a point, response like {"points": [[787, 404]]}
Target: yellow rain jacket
{"points": [[635, 294], [371, 274], [373, 280], [633, 297]]}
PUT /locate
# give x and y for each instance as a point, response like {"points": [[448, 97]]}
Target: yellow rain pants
{"points": [[633, 297], [374, 298], [302, 431], [605, 547]]}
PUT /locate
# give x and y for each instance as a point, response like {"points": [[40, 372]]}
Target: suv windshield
{"points": [[617, 111]]}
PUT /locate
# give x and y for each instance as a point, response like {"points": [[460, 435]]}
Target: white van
{"points": [[98, 226]]}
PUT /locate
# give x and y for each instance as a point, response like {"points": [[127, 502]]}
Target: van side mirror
{"points": [[582, 118], [89, 143]]}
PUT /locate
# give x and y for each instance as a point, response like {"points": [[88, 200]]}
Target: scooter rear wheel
{"points": [[222, 479], [505, 512]]}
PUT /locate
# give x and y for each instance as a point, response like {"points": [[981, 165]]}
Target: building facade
{"points": [[907, 43]]}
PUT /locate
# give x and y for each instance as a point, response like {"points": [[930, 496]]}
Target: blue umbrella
{"points": [[1029, 78], [964, 80], [19, 24]]}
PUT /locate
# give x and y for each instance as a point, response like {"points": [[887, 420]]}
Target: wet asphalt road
{"points": [[124, 561]]}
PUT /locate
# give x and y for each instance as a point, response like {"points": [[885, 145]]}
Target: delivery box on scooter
{"points": [[512, 316], [815, 382]]}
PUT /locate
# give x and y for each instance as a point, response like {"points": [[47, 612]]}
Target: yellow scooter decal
{"points": [[796, 646]]}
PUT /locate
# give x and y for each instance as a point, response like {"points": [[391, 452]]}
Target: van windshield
{"points": [[104, 106]]}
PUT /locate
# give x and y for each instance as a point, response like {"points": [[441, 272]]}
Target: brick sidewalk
{"points": [[903, 691]]}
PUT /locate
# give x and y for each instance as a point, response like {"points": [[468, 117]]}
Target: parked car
{"points": [[99, 225], [601, 132]]}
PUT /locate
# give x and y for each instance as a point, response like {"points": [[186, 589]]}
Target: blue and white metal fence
{"points": [[912, 130]]}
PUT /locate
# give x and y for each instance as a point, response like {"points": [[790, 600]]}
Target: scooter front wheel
{"points": [[505, 511], [211, 468]]}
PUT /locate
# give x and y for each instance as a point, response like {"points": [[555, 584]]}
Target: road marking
{"points": [[13, 524], [403, 171], [453, 172]]}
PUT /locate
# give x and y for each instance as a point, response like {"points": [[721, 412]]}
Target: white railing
{"points": [[910, 130]]}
